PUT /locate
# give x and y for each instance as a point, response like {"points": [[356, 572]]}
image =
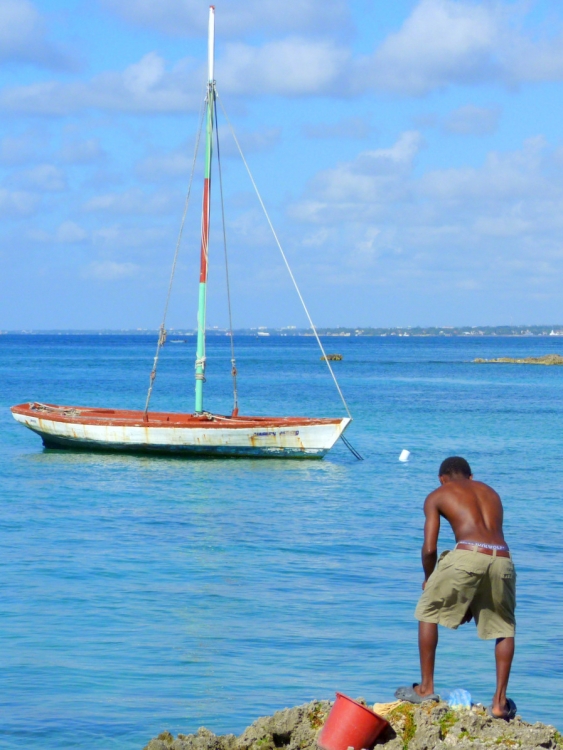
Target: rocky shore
{"points": [[431, 726], [547, 359]]}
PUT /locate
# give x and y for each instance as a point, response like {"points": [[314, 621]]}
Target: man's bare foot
{"points": [[499, 711], [423, 691]]}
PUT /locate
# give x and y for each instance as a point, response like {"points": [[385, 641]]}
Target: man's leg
{"points": [[504, 652], [427, 642]]}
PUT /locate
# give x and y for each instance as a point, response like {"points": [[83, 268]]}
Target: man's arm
{"points": [[431, 531]]}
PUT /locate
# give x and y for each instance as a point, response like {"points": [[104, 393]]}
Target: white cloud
{"points": [[81, 152], [235, 17], [163, 165], [460, 42], [472, 120], [19, 149], [502, 226], [116, 238], [290, 67], [43, 177], [67, 233], [145, 86], [317, 238], [70, 232], [349, 127], [529, 59], [503, 176], [23, 37], [250, 229], [133, 201], [441, 42], [109, 270], [466, 227], [251, 141], [294, 66], [17, 203], [371, 180]]}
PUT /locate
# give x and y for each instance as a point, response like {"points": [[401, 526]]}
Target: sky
{"points": [[409, 154]]}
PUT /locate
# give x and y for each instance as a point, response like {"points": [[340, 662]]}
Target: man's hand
{"points": [[431, 531]]}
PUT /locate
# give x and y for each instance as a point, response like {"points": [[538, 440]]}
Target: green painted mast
{"points": [[200, 353]]}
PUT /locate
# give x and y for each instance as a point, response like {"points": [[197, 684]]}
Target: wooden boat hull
{"points": [[87, 428]]}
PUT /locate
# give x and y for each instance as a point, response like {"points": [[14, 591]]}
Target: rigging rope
{"points": [[233, 361], [162, 329], [285, 259]]}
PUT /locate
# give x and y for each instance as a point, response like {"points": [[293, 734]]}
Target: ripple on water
{"points": [[150, 593]]}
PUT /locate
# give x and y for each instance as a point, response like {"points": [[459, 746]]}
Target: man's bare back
{"points": [[473, 510]]}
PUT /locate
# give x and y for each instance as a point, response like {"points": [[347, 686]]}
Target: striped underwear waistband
{"points": [[501, 547]]}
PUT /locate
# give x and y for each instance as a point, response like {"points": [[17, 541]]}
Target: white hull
{"points": [[309, 439]]}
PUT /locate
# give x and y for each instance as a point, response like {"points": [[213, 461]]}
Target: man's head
{"points": [[454, 467]]}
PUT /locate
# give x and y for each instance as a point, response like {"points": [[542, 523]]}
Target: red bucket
{"points": [[350, 724]]}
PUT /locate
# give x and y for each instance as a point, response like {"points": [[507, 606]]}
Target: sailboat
{"points": [[200, 433]]}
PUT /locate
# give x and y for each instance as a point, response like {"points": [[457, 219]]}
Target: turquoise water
{"points": [[143, 594]]}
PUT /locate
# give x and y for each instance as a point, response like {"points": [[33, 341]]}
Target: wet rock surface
{"points": [[431, 726], [548, 359]]}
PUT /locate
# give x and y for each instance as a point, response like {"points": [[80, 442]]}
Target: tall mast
{"points": [[200, 353]]}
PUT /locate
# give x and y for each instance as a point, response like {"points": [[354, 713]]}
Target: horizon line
{"points": [[522, 329]]}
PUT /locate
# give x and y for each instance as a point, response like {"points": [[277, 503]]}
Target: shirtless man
{"points": [[475, 580]]}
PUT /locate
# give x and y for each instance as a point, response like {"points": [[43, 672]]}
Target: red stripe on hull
{"points": [[92, 415]]}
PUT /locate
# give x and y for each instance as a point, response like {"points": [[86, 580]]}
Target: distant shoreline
{"points": [[552, 331]]}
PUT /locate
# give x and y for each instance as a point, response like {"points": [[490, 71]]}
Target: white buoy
{"points": [[404, 457]]}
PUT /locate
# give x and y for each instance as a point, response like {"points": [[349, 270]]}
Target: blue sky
{"points": [[410, 154]]}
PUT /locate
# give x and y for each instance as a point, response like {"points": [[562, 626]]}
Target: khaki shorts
{"points": [[466, 579]]}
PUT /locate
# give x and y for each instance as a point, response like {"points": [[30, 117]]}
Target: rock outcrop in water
{"points": [[431, 726], [547, 359]]}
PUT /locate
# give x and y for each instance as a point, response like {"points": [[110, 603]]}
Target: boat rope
{"points": [[162, 329], [200, 363], [312, 325], [351, 448], [231, 335]]}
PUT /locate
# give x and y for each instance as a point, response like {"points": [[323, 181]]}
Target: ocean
{"points": [[148, 593]]}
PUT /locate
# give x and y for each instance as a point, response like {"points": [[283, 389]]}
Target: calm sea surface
{"points": [[143, 594]]}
